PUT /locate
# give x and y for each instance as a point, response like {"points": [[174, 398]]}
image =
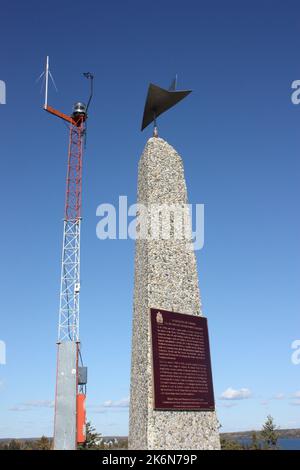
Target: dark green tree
{"points": [[93, 439], [43, 444], [269, 433]]}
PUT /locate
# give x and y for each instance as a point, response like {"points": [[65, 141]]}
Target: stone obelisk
{"points": [[165, 278]]}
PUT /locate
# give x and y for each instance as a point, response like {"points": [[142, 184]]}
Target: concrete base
{"points": [[65, 401]]}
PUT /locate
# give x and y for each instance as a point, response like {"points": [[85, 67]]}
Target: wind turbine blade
{"points": [[43, 83], [38, 79], [53, 81]]}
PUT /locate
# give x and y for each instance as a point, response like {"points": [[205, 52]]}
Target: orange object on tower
{"points": [[81, 418]]}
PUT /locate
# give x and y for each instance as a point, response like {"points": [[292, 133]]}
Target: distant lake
{"points": [[283, 443]]}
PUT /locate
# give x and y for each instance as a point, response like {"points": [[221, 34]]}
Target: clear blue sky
{"points": [[239, 135]]}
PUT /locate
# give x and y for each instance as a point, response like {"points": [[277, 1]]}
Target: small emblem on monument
{"points": [[159, 317]]}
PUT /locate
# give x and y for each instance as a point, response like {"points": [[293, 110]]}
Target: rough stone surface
{"points": [[165, 277]]}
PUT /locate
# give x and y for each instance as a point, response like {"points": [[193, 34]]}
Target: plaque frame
{"points": [[155, 359]]}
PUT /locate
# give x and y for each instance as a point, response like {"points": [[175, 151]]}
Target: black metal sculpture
{"points": [[160, 100]]}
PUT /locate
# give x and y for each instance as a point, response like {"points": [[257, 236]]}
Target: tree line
{"points": [[266, 439]]}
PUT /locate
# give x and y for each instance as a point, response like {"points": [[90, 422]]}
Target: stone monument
{"points": [[166, 281]]}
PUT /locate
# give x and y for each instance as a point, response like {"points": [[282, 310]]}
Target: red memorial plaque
{"points": [[181, 362]]}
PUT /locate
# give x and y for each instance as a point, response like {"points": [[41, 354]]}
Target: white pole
{"points": [[46, 87]]}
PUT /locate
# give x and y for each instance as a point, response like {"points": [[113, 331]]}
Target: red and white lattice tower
{"points": [[68, 327], [69, 420]]}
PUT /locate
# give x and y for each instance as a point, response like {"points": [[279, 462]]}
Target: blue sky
{"points": [[239, 135]]}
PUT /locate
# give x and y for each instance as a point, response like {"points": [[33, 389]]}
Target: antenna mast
{"points": [[47, 82]]}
